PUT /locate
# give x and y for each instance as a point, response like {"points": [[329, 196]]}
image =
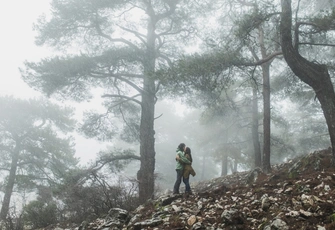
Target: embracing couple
{"points": [[183, 168]]}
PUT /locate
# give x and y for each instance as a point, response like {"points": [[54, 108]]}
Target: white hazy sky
{"points": [[17, 45], [17, 42]]}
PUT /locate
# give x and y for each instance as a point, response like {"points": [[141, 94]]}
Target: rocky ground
{"points": [[297, 195]]}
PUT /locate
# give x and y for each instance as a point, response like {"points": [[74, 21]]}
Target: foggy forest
{"points": [[244, 84]]}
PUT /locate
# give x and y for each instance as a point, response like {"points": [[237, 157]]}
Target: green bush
{"points": [[39, 214]]}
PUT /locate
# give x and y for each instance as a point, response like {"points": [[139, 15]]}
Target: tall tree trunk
{"points": [[147, 149], [266, 104], [266, 165], [145, 174], [10, 185], [254, 131], [203, 168], [267, 118], [313, 74], [224, 165], [233, 165]]}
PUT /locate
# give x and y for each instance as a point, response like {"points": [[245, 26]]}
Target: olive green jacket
{"points": [[188, 169]]}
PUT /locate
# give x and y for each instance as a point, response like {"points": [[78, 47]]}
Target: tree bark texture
{"points": [[255, 135], [267, 118], [266, 164], [145, 175], [313, 74]]}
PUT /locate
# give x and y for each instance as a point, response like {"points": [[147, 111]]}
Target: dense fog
{"points": [[96, 96]]}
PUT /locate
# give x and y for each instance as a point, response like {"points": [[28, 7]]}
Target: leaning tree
{"points": [[315, 74]]}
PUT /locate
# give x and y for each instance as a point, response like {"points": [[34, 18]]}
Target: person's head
{"points": [[188, 151], [181, 147]]}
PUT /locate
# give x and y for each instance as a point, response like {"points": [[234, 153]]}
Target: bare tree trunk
{"points": [[224, 165], [203, 168], [266, 165], [145, 175], [266, 105], [255, 135], [9, 186], [313, 74], [147, 150], [233, 166], [267, 118]]}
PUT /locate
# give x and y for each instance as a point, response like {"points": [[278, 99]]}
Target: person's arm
{"points": [[188, 157], [183, 159]]}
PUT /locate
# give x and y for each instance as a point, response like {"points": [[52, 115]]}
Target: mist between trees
{"points": [[248, 96]]}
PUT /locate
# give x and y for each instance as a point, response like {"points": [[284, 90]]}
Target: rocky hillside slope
{"points": [[297, 195]]}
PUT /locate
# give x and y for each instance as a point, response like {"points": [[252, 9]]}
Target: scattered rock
{"points": [[298, 194]]}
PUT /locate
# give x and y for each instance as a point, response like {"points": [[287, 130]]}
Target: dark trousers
{"points": [[178, 181], [187, 184]]}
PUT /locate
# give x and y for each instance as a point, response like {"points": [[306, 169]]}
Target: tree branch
{"points": [[119, 77], [137, 34], [264, 60], [316, 44], [108, 159], [122, 40], [124, 97], [245, 3], [4, 169], [166, 58], [268, 58], [132, 84]]}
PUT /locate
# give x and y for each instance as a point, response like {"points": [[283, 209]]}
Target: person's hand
{"points": [[177, 158]]}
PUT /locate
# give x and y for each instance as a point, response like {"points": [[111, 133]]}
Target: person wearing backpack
{"points": [[181, 160], [188, 170]]}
